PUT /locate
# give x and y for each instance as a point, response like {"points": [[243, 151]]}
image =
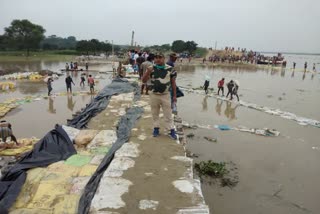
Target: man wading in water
{"points": [[162, 77], [68, 83]]}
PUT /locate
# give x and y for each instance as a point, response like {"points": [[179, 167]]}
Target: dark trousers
{"points": [[229, 92], [235, 92], [222, 89], [49, 90], [69, 87]]}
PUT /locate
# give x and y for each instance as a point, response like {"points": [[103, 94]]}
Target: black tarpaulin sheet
{"points": [[125, 125], [53, 147], [100, 102]]}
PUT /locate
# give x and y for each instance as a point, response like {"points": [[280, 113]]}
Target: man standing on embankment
{"points": [[162, 77]]}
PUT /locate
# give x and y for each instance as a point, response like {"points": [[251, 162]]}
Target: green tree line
{"points": [[22, 35]]}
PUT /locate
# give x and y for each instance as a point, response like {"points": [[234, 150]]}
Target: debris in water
{"points": [[191, 135], [223, 127], [211, 168], [228, 182], [210, 139]]}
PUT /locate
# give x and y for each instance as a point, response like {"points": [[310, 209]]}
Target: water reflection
{"points": [[31, 87], [70, 102], [283, 72], [51, 109], [292, 75], [205, 104], [304, 75], [218, 106], [230, 112]]}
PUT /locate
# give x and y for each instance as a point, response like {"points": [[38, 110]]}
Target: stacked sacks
{"points": [[11, 149], [5, 86]]}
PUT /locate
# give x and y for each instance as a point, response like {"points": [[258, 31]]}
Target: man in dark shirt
{"points": [[162, 78], [68, 83], [140, 60]]}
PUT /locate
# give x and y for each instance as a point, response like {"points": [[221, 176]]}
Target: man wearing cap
{"points": [[162, 77]]}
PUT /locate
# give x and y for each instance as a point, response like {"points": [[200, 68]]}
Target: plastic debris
{"points": [[210, 139], [223, 127]]}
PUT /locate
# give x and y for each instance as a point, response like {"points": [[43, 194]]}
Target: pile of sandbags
{"points": [[5, 86], [11, 149], [24, 75]]}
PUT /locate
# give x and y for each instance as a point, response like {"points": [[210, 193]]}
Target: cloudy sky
{"points": [[262, 25]]}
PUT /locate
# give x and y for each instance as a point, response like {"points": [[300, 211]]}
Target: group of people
{"points": [[232, 85], [69, 82], [74, 66]]}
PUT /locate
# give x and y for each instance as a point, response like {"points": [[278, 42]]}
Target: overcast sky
{"points": [[262, 25]]}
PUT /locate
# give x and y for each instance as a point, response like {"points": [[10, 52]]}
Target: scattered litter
{"points": [[214, 140], [191, 135], [148, 204], [223, 127]]}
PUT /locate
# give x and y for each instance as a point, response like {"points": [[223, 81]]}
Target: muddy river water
{"points": [[276, 174]]}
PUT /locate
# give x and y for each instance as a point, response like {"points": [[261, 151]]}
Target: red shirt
{"points": [[90, 80], [221, 83]]}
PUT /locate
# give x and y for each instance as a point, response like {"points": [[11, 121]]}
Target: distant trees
{"points": [[94, 46], [53, 43], [23, 35], [181, 46]]}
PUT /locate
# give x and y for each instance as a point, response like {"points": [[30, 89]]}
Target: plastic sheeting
{"points": [[124, 129], [53, 147], [101, 101]]}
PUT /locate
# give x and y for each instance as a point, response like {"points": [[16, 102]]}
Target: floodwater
{"points": [[276, 174], [39, 117]]}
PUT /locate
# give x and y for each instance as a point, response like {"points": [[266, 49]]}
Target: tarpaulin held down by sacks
{"points": [[53, 147], [101, 101]]}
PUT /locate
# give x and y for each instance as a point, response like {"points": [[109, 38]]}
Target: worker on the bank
{"points": [[161, 78], [230, 86], [235, 90], [6, 131], [305, 66], [49, 85], [91, 83], [206, 85], [68, 83], [221, 87], [144, 66], [83, 80], [294, 65]]}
